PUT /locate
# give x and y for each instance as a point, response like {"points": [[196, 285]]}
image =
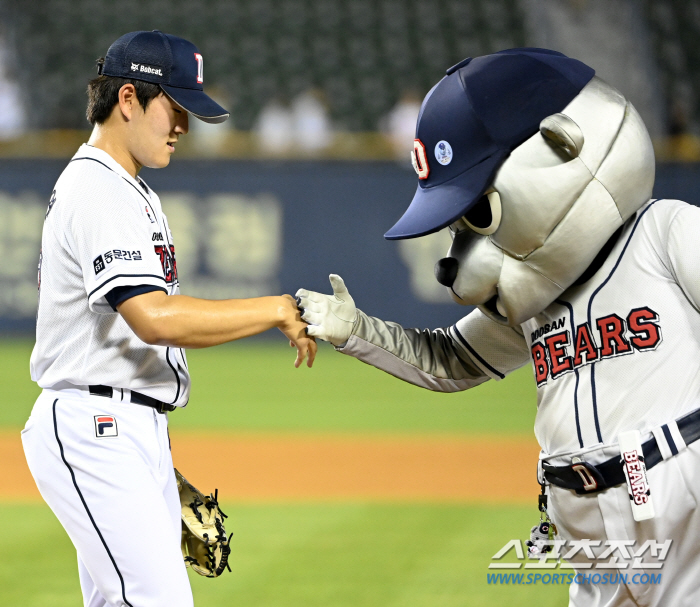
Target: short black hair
{"points": [[103, 95]]}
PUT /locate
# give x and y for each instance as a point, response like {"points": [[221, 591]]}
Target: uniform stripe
{"points": [[590, 307], [567, 305], [177, 375], [599, 434], [125, 276], [669, 439], [476, 354], [82, 499]]}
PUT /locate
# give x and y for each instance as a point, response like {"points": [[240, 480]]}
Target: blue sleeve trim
{"points": [[119, 295], [475, 354]]}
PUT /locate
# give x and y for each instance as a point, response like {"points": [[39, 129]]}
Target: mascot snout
{"points": [[446, 271]]}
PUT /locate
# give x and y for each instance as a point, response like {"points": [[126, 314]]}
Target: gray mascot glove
{"points": [[330, 317]]}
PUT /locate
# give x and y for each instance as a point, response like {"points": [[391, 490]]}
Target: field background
{"points": [[309, 552]]}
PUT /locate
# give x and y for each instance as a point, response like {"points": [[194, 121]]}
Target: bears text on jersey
{"points": [[609, 337]]}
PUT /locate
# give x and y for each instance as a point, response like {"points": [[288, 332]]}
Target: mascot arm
{"points": [[444, 360]]}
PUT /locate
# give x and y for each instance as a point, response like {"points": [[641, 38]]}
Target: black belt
{"points": [[136, 398], [610, 473]]}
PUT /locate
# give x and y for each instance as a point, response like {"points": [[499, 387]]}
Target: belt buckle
{"points": [[592, 479]]}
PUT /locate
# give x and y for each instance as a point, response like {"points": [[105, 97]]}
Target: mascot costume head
{"points": [[534, 163]]}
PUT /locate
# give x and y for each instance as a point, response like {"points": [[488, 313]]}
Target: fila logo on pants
{"points": [[105, 425]]}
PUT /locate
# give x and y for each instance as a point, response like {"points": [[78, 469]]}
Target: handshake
{"points": [[330, 317]]}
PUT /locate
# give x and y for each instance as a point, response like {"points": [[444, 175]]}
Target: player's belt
{"points": [[584, 477], [136, 398]]}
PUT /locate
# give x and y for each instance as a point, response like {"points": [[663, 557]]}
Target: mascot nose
{"points": [[446, 271]]}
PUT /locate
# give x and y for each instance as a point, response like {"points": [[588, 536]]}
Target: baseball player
{"points": [[112, 330], [543, 174]]}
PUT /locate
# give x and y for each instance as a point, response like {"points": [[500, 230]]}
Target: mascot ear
{"points": [[564, 133]]}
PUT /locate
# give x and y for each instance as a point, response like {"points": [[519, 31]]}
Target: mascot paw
{"points": [[330, 317]]}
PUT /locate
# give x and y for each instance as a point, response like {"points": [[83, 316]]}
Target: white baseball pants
{"points": [[105, 469], [675, 490]]}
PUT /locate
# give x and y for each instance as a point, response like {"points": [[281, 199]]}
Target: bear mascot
{"points": [[543, 174]]}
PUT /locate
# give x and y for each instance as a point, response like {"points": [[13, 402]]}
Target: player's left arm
{"points": [[188, 322]]}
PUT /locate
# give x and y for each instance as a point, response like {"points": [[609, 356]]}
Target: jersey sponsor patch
{"points": [[148, 214], [99, 264], [105, 426], [609, 337], [118, 255]]}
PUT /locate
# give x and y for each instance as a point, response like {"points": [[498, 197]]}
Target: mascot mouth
{"points": [[491, 306]]}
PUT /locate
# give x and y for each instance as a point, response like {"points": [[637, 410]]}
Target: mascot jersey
{"points": [[597, 352]]}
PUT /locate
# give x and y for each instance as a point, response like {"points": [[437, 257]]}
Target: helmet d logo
{"points": [[420, 159]]}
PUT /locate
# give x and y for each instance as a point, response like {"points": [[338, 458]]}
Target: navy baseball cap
{"points": [[473, 119], [173, 63]]}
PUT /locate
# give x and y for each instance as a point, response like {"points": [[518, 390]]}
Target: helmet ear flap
{"points": [[563, 132]]}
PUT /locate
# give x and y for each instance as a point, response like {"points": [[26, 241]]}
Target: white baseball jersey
{"points": [[619, 352], [103, 229]]}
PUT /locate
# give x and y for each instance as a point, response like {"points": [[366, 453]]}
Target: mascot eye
{"points": [[485, 216]]}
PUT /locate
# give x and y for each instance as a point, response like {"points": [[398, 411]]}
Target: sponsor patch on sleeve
{"points": [[98, 264]]}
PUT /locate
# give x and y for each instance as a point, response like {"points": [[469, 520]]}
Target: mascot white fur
{"points": [[543, 173]]}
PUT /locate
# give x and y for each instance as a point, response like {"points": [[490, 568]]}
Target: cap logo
{"points": [[142, 68], [200, 67], [419, 159], [443, 152]]}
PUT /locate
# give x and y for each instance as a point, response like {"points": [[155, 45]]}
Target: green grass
{"points": [[254, 387], [308, 555]]}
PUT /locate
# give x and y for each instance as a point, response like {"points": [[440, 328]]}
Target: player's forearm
{"points": [[187, 322]]}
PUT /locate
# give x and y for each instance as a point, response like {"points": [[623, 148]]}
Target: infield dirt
{"points": [[333, 467]]}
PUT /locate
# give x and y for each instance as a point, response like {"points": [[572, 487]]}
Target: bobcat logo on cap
{"points": [[146, 69]]}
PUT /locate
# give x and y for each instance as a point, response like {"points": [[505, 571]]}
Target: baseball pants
{"points": [[105, 469], [675, 490]]}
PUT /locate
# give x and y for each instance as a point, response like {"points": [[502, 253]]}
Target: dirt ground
{"points": [[332, 467]]}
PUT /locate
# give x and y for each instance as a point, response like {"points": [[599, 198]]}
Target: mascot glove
{"points": [[330, 317]]}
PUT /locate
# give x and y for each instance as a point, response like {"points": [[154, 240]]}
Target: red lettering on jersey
{"points": [[539, 358], [561, 363], [643, 323], [173, 261], [612, 329], [167, 261], [584, 344]]}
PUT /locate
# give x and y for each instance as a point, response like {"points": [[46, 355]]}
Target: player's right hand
{"points": [[330, 317], [294, 329]]}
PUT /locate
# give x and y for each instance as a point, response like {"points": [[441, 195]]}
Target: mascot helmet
{"points": [[534, 163]]}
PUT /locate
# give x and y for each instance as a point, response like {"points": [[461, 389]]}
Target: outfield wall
{"points": [[248, 228]]}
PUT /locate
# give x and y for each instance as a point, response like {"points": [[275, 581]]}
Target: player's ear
{"points": [[564, 133], [127, 100]]}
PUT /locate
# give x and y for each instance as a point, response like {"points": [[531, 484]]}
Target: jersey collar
{"points": [[90, 151]]}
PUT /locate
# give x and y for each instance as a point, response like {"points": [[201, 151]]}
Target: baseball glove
{"points": [[204, 540]]}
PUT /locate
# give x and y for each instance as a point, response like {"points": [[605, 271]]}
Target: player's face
{"points": [[156, 131]]}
